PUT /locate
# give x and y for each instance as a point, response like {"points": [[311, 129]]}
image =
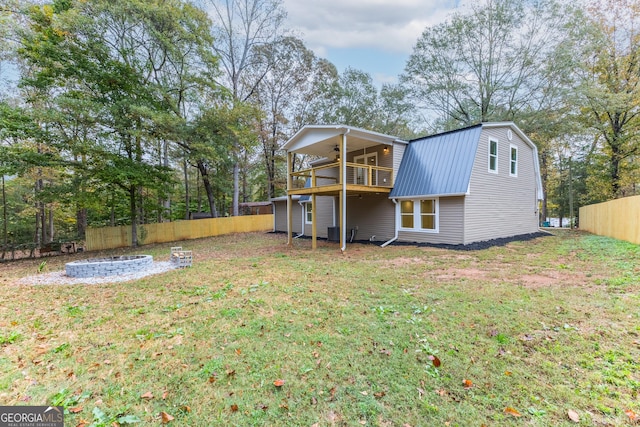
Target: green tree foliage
{"points": [[501, 61], [286, 95], [610, 86], [506, 60], [241, 29]]}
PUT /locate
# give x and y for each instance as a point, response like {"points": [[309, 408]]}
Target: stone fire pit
{"points": [[110, 266]]}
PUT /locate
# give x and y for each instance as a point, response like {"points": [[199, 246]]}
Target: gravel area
{"points": [[60, 278]]}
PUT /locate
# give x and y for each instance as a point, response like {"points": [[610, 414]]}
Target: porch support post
{"points": [[314, 223], [343, 193], [289, 199]]}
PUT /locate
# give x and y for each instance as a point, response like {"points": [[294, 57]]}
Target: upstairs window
{"points": [[513, 171], [493, 156]]}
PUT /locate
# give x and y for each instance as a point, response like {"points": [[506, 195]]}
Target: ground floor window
{"points": [[308, 209], [419, 215]]}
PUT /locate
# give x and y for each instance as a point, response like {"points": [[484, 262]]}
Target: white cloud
{"points": [[389, 25]]}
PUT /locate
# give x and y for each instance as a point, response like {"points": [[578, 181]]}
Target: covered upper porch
{"points": [[348, 161]]}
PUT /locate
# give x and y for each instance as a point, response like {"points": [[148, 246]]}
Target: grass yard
{"points": [[538, 333]]}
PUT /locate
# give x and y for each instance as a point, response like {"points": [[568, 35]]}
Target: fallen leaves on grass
{"points": [[434, 359], [632, 415], [166, 418], [573, 416], [148, 395], [512, 411], [234, 408], [467, 383], [278, 383], [75, 410]]}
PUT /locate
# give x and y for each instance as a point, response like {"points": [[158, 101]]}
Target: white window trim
{"points": [[306, 214], [489, 155], [417, 216], [511, 161]]}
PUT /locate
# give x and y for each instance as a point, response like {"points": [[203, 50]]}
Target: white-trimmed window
{"points": [[308, 212], [513, 162], [419, 215], [493, 156]]}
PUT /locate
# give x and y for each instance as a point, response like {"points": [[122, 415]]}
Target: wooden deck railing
{"points": [[357, 173]]}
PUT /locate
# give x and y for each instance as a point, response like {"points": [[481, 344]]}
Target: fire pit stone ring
{"points": [[110, 266]]}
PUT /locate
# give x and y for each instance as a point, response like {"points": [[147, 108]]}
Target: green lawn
{"points": [[524, 334]]}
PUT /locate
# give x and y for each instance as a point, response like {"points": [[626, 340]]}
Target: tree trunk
{"points": [[544, 178], [187, 200], [615, 171], [236, 186], [208, 189], [50, 225], [198, 192], [112, 217], [133, 210], [245, 192], [81, 222], [5, 233]]}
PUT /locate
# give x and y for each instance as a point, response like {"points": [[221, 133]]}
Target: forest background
{"points": [[141, 111]]}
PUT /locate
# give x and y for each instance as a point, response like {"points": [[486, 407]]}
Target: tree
{"points": [[610, 88], [503, 59], [240, 29], [351, 100], [285, 94], [118, 67], [507, 60]]}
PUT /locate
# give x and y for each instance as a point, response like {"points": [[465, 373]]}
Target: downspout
{"points": [[304, 213], [394, 238], [343, 161]]}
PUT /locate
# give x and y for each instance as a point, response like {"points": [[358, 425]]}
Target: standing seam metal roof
{"points": [[438, 165]]}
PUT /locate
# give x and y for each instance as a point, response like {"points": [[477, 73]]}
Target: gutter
{"points": [[394, 238]]}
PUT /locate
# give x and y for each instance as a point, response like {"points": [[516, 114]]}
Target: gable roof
{"points": [[438, 165]]}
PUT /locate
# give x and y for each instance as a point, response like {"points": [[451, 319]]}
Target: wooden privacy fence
{"points": [[118, 237], [618, 218]]}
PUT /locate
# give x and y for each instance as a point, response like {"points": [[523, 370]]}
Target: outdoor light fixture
{"points": [[386, 150]]}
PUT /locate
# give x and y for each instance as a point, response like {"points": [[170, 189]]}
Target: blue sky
{"points": [[375, 36]]}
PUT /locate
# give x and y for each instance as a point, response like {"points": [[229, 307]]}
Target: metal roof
{"points": [[438, 165]]}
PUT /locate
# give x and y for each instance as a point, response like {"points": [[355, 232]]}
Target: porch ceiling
{"points": [[322, 140]]}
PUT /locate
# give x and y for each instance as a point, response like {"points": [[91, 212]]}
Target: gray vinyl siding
{"points": [[500, 205], [398, 152], [325, 215], [374, 215], [280, 211], [451, 230]]}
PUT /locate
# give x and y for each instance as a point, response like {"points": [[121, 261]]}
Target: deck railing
{"points": [[357, 173]]}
